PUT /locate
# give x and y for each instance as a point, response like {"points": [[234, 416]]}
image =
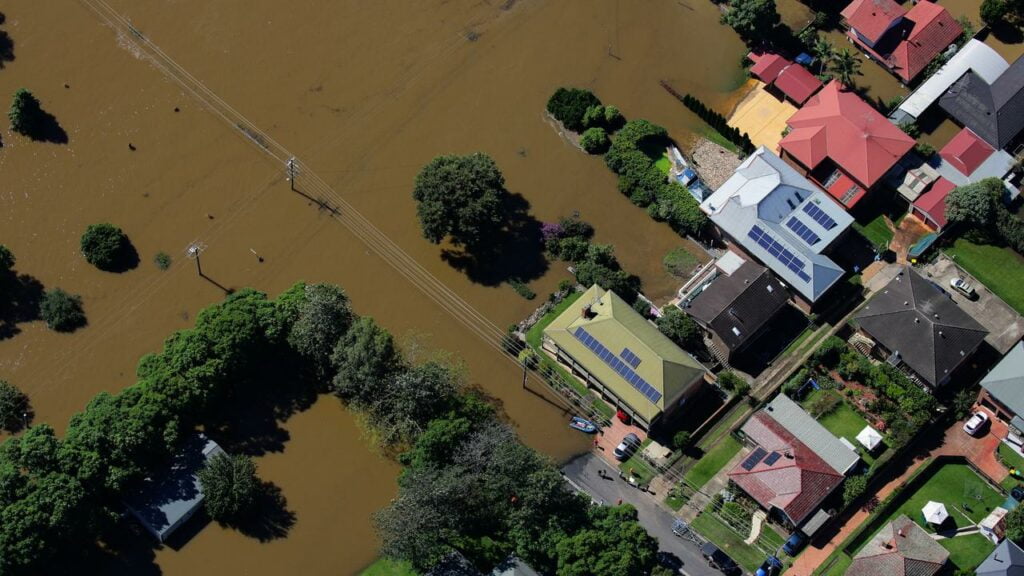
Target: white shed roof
{"points": [[975, 55]]}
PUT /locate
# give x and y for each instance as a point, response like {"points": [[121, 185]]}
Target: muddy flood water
{"points": [[364, 93]]}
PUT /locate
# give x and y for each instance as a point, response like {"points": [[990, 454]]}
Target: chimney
{"points": [[936, 315], [900, 532], [917, 320], [941, 335]]}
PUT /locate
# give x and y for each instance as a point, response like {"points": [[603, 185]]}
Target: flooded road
{"points": [[365, 94]]}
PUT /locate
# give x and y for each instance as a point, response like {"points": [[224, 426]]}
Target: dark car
{"points": [[1018, 493], [670, 561], [795, 544], [720, 560], [626, 448]]}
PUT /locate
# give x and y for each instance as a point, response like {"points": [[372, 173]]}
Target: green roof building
{"points": [[618, 352]]}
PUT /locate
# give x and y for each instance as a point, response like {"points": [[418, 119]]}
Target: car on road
{"points": [[720, 560], [626, 448], [976, 423], [964, 287]]}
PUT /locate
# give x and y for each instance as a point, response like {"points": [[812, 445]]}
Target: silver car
{"points": [[976, 423], [626, 448]]}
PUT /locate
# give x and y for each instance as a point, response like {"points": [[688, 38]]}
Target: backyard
{"points": [[839, 418], [966, 552], [876, 231], [999, 269], [1012, 460]]}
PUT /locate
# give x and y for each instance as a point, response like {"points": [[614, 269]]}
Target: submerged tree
{"points": [[25, 113], [461, 198], [13, 405], [62, 311], [752, 18], [844, 66], [230, 486], [105, 246]]}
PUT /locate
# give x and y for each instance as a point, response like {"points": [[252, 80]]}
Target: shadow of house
{"points": [[20, 296]]}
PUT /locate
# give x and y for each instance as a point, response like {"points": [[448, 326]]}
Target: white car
{"points": [[962, 286], [975, 423]]}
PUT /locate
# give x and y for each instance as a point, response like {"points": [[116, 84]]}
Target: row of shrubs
{"points": [[569, 239], [719, 123]]}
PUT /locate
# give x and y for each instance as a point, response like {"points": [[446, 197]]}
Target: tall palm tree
{"points": [[824, 52], [845, 65]]}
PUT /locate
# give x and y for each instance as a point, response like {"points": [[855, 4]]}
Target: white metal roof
{"points": [[975, 55]]}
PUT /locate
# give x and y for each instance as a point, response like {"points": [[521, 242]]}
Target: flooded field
{"points": [[365, 94]]}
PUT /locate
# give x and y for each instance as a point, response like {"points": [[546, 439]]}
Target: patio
{"points": [[762, 116]]}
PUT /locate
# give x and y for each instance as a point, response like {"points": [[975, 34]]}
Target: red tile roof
{"points": [[872, 17], [837, 124], [796, 483], [797, 83], [934, 29], [846, 191], [933, 202], [966, 151], [767, 66]]}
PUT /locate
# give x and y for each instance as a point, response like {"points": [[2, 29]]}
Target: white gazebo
{"points": [[935, 513], [869, 438]]}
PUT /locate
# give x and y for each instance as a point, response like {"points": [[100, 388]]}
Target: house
{"points": [[930, 207], [916, 327], [163, 504], [738, 304], [806, 429], [790, 79], [901, 548], [1006, 560], [622, 355], [994, 110], [783, 220], [843, 144], [904, 42], [782, 473], [1002, 389], [513, 567]]}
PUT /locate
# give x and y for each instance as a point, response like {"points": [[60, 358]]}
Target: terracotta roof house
{"points": [[783, 220], [1006, 560], [901, 548], [737, 307], [843, 144], [930, 207], [1002, 389], [993, 110], [919, 329], [908, 41], [791, 79], [622, 355], [783, 474]]}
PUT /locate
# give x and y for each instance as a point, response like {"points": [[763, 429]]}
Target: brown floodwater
{"points": [[364, 93]]}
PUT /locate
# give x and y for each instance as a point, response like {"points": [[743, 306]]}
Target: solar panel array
{"points": [[619, 366], [819, 216], [772, 458], [780, 252], [630, 358], [802, 230], [756, 456]]}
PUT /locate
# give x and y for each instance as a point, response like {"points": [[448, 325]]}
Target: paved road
{"points": [[583, 471]]}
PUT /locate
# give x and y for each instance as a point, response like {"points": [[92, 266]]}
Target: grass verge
{"points": [[749, 557], [1000, 269]]}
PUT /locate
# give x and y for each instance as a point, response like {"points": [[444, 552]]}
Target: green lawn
{"points": [[642, 471], [799, 340], [956, 486], [663, 164], [843, 421], [536, 332], [876, 231], [967, 552], [1010, 459], [716, 137], [388, 567], [999, 269], [749, 557], [712, 461], [839, 563]]}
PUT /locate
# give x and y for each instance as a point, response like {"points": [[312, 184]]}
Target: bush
{"points": [[829, 353], [729, 380], [613, 119], [570, 105], [105, 246], [13, 405], [681, 329], [230, 486], [679, 262], [594, 117], [162, 260], [62, 311], [522, 289], [595, 141], [853, 487], [924, 149], [963, 402], [682, 440], [642, 307], [993, 12]]}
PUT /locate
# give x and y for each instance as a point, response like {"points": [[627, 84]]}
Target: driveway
{"points": [[583, 472], [1005, 326]]}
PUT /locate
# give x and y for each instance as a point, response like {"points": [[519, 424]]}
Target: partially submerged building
{"points": [[787, 78], [624, 357], [1006, 560]]}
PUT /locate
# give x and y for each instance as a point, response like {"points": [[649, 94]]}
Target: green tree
{"points": [[963, 402], [613, 119], [7, 259], [363, 358], [613, 545], [994, 12], [681, 329], [682, 440], [570, 105], [975, 205], [323, 318], [733, 382], [460, 197], [1015, 525], [25, 113], [595, 140], [105, 246], [853, 487], [824, 51], [230, 486], [406, 403], [844, 66], [13, 406], [594, 117], [62, 311], [752, 19]]}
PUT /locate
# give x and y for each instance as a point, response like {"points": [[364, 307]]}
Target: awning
{"points": [[935, 512], [815, 523], [869, 437]]}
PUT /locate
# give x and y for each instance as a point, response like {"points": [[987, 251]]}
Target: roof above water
{"points": [[966, 151], [1006, 380], [975, 55], [900, 548], [806, 429], [871, 18], [993, 110], [933, 202]]}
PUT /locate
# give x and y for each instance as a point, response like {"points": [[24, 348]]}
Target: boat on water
{"points": [[583, 425]]}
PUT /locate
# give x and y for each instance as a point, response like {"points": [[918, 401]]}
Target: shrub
{"points": [[853, 487], [681, 329], [733, 382], [570, 105], [679, 262], [613, 119], [13, 405], [62, 311], [522, 289], [595, 141], [594, 117], [230, 486], [682, 440], [643, 307], [162, 260], [924, 149], [963, 402], [105, 246], [528, 358], [829, 353], [993, 12]]}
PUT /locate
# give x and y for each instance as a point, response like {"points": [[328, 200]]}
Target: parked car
{"points": [[720, 560], [962, 286], [1017, 493], [795, 544], [626, 448], [976, 423], [771, 566]]}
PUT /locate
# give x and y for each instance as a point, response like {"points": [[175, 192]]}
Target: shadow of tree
{"points": [[270, 518], [46, 128], [1007, 33], [512, 252], [6, 48], [19, 302], [127, 258]]}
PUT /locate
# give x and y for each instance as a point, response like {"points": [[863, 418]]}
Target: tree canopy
{"points": [[752, 19], [595, 140], [975, 205], [62, 311], [230, 486], [681, 329], [321, 320], [105, 246], [13, 405], [614, 543], [461, 198], [7, 259], [25, 113], [570, 105]]}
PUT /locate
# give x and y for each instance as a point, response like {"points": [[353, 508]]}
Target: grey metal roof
{"points": [[765, 192], [513, 567], [737, 306], [994, 111], [806, 429], [1006, 380], [162, 504], [975, 56], [1006, 560], [921, 326]]}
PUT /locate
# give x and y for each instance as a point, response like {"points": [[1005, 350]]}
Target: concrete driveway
{"points": [[1005, 326]]}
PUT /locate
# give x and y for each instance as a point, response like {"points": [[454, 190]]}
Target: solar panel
{"points": [[777, 250], [819, 216], [753, 459], [802, 231], [631, 358], [772, 458], [619, 366]]}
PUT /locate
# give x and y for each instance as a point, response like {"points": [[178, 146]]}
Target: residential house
{"points": [[737, 306], [916, 327], [164, 504], [902, 41], [1006, 560], [779, 217], [900, 548], [930, 207], [788, 78], [1002, 389], [837, 454], [623, 356], [843, 144], [994, 110]]}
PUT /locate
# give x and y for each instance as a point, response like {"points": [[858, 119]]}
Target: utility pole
{"points": [[293, 169], [524, 375], [193, 251]]}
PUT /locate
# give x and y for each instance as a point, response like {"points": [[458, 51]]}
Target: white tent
{"points": [[935, 512], [869, 437]]}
